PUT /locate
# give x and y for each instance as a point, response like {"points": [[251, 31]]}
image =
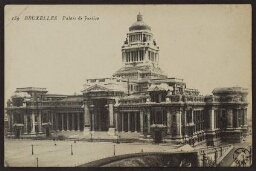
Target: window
{"points": [[173, 118]]}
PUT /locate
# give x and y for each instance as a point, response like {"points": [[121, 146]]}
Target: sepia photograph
{"points": [[128, 85]]}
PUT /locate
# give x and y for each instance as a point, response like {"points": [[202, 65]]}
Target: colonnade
{"points": [[68, 121], [236, 117], [130, 121], [133, 56]]}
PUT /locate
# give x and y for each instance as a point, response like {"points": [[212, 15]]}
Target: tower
{"points": [[140, 53]]}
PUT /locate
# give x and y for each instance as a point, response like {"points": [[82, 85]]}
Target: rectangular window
{"points": [[173, 118], [234, 118]]}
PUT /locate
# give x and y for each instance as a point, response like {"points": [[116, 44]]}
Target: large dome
{"points": [[139, 24]]}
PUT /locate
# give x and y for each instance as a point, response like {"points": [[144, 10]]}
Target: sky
{"points": [[208, 46]]}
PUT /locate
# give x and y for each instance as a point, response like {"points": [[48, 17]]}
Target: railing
{"points": [[186, 98], [211, 157], [212, 98]]}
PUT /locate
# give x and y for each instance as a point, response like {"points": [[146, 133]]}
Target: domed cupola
{"points": [[140, 54], [139, 24]]}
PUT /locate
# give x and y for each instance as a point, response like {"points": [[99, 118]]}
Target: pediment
{"points": [[155, 89], [161, 87], [95, 88]]}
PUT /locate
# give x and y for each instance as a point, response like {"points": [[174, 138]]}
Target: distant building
{"points": [[138, 98]]}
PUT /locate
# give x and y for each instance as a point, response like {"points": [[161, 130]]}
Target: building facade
{"points": [[139, 98]]}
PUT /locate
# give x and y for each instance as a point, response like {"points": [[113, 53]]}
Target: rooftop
{"points": [[31, 89], [139, 24], [230, 90]]}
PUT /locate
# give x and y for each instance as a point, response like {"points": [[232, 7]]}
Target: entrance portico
{"points": [[99, 104]]}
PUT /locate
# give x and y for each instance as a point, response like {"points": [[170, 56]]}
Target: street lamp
{"points": [[37, 162], [216, 155], [91, 135], [71, 150], [250, 152], [37, 99], [32, 149], [114, 150], [117, 137]]}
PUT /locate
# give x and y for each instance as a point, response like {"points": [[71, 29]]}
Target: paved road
{"points": [[18, 153], [228, 160]]}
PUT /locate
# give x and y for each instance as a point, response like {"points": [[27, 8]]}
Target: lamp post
{"points": [[37, 99], [216, 155], [71, 150], [117, 137], [32, 149], [250, 152], [56, 120], [91, 135], [114, 150], [204, 159], [37, 162]]}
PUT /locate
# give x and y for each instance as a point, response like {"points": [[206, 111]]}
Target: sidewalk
{"points": [[228, 161]]}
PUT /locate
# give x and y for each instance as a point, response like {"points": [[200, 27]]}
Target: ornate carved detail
{"points": [[96, 87]]}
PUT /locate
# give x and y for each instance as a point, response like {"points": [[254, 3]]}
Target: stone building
{"points": [[138, 99]]}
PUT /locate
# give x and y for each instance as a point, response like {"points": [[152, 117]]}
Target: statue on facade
{"points": [[154, 42], [126, 41]]}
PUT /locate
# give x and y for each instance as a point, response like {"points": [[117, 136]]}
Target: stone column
{"points": [[78, 122], [135, 122], [67, 116], [178, 119], [116, 121], [33, 123], [185, 123], [192, 114], [111, 113], [195, 116], [129, 122], [12, 122], [9, 122], [39, 122], [237, 118], [141, 122], [148, 116], [111, 129], [62, 122], [122, 121], [86, 118], [245, 116], [93, 121], [229, 118], [56, 121], [99, 119], [201, 119], [25, 124], [169, 121], [211, 119], [52, 120], [73, 121]]}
